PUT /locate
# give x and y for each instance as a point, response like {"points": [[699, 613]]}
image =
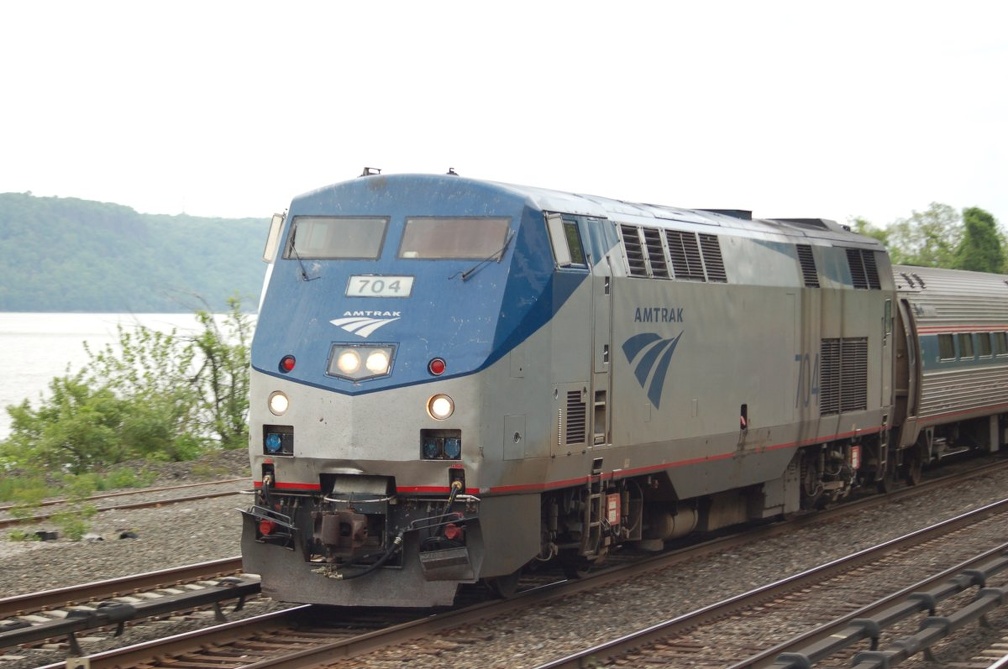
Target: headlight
{"points": [[359, 362], [440, 407], [278, 403], [348, 362], [377, 362]]}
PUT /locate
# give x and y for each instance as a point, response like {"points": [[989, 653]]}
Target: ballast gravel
{"points": [[179, 534]]}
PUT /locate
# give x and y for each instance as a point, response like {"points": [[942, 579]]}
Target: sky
{"points": [[220, 108]]}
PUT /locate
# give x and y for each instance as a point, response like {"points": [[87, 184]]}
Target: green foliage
{"points": [[156, 396], [223, 378], [66, 254], [13, 488], [927, 239], [982, 245], [863, 227], [940, 237], [21, 535], [126, 477], [74, 522]]}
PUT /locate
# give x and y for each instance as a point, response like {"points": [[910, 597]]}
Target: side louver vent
{"points": [[685, 254], [634, 252], [808, 266], [576, 418], [853, 374], [863, 269], [843, 375], [712, 258], [655, 252]]}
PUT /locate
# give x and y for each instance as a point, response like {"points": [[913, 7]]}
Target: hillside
{"points": [[66, 254]]}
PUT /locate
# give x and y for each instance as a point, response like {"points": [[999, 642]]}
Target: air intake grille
{"points": [[871, 269], [808, 267], [685, 254], [712, 258], [634, 252], [576, 418], [853, 374], [843, 375], [829, 377], [864, 271], [656, 254]]}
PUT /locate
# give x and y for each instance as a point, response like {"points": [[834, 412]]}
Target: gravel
{"points": [[168, 536], [210, 529]]}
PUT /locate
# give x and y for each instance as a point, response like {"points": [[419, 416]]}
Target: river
{"points": [[35, 347]]}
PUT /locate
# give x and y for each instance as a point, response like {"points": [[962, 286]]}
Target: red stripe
{"points": [[945, 329], [623, 473]]}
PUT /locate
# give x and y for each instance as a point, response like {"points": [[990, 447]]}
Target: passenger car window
{"points": [[1000, 343], [946, 347], [965, 345], [983, 344]]}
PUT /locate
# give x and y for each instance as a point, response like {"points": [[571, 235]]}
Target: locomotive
{"points": [[452, 379]]}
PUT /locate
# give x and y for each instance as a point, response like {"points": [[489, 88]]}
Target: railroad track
{"points": [[169, 497], [834, 593], [75, 595], [320, 635]]}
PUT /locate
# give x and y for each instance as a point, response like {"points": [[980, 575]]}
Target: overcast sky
{"points": [[220, 108]]}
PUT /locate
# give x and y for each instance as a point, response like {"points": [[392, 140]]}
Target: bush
{"points": [[155, 396]]}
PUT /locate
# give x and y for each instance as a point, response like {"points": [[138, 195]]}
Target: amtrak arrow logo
{"points": [[361, 325], [655, 355]]}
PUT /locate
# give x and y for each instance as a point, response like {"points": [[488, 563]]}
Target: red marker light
{"points": [[287, 363], [452, 532], [266, 527], [436, 366]]}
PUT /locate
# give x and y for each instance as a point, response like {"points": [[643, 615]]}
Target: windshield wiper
{"points": [[304, 272], [499, 255]]}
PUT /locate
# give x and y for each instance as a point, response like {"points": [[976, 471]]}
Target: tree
{"points": [[927, 239], [863, 227], [157, 395], [981, 248], [223, 378]]}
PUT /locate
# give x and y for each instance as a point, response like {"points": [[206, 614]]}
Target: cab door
{"points": [[602, 348]]}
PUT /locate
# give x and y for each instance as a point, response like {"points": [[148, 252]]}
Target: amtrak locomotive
{"points": [[452, 379]]}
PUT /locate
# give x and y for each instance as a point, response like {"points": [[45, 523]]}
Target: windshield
{"points": [[464, 238], [329, 237]]}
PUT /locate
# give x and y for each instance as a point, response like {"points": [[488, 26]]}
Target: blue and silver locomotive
{"points": [[453, 378]]}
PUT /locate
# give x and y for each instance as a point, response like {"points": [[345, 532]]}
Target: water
{"points": [[34, 348]]}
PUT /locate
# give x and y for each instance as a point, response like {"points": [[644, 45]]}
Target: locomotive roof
{"points": [[732, 222]]}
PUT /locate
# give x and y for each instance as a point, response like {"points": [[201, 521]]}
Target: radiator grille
{"points": [[854, 374], [829, 376], [843, 375]]}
